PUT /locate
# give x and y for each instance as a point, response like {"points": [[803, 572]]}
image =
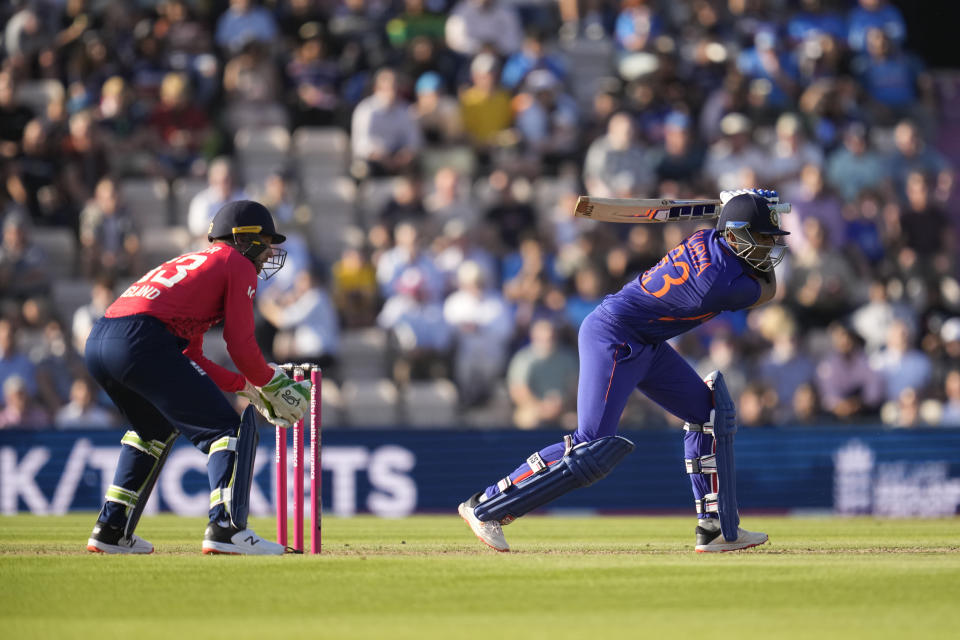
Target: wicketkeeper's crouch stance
{"points": [[147, 354], [623, 347]]}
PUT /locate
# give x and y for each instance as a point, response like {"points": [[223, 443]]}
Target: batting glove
{"points": [[252, 394], [287, 399], [769, 195]]}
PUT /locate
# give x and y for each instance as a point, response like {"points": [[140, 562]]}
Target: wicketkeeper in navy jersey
{"points": [[147, 354], [623, 346]]}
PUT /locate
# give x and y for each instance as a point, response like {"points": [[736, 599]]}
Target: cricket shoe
{"points": [[109, 539], [490, 533], [710, 539], [230, 540]]}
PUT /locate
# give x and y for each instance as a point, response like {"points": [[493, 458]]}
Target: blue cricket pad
{"points": [[584, 465], [724, 428], [247, 440]]}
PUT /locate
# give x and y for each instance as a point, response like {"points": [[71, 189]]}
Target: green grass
{"points": [[428, 577]]}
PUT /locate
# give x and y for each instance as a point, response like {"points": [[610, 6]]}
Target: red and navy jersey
{"points": [[693, 283], [192, 293]]}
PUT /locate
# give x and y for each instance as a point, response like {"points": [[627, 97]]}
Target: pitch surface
{"points": [[428, 577]]}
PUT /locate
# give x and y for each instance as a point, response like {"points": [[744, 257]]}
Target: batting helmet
{"points": [[747, 216]]}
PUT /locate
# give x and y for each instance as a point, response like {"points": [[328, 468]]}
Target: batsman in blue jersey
{"points": [[623, 346]]}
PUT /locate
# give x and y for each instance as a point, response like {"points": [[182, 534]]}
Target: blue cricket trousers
{"points": [[614, 363]]}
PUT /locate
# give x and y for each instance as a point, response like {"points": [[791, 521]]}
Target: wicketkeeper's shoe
{"points": [[490, 533], [232, 541], [109, 539], [710, 539]]}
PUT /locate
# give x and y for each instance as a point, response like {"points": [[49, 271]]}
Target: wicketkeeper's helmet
{"points": [[243, 223]]}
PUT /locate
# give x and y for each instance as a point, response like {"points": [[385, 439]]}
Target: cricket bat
{"points": [[651, 210]]}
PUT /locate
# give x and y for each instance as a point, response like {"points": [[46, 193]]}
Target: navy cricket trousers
{"points": [[141, 366]]}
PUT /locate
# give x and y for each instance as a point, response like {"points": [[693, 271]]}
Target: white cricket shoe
{"points": [[489, 533], [238, 542], [711, 540], [109, 539]]}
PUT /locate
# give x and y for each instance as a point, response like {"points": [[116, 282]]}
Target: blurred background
{"points": [[423, 157]]}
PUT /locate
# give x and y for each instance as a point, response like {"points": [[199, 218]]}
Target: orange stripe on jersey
{"points": [[705, 316]]}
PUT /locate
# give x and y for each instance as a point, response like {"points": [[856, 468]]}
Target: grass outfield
{"points": [[428, 577]]}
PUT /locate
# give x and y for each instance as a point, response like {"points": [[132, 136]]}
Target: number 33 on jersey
{"points": [[193, 292]]}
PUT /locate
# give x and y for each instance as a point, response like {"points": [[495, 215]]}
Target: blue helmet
{"points": [[747, 216]]}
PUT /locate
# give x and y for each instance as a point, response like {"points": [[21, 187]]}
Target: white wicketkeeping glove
{"points": [[288, 399], [252, 394], [768, 194]]}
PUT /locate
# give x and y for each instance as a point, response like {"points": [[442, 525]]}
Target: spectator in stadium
{"points": [[384, 136], [181, 129], [101, 295], [821, 287], [874, 14], [314, 78], [457, 243], [950, 415], [308, 329], [901, 365], [483, 25], [405, 203], [617, 165], [483, 327], [542, 380], [83, 158], [681, 158], [926, 229], [546, 117], [221, 189], [486, 107], [436, 113], [121, 125], [784, 366], [244, 22], [408, 251], [856, 165], [420, 338], [532, 56], [790, 152], [13, 116], [811, 197], [354, 284], [19, 410], [874, 320], [449, 199], [23, 264], [510, 211], [847, 386], [893, 80], [588, 291], [33, 172], [734, 152], [13, 361], [82, 412], [912, 153], [252, 84], [109, 238], [770, 68]]}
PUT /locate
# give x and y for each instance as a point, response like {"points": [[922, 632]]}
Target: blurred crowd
{"points": [[425, 156]]}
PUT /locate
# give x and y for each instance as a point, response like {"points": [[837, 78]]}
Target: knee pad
{"points": [[580, 466]]}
